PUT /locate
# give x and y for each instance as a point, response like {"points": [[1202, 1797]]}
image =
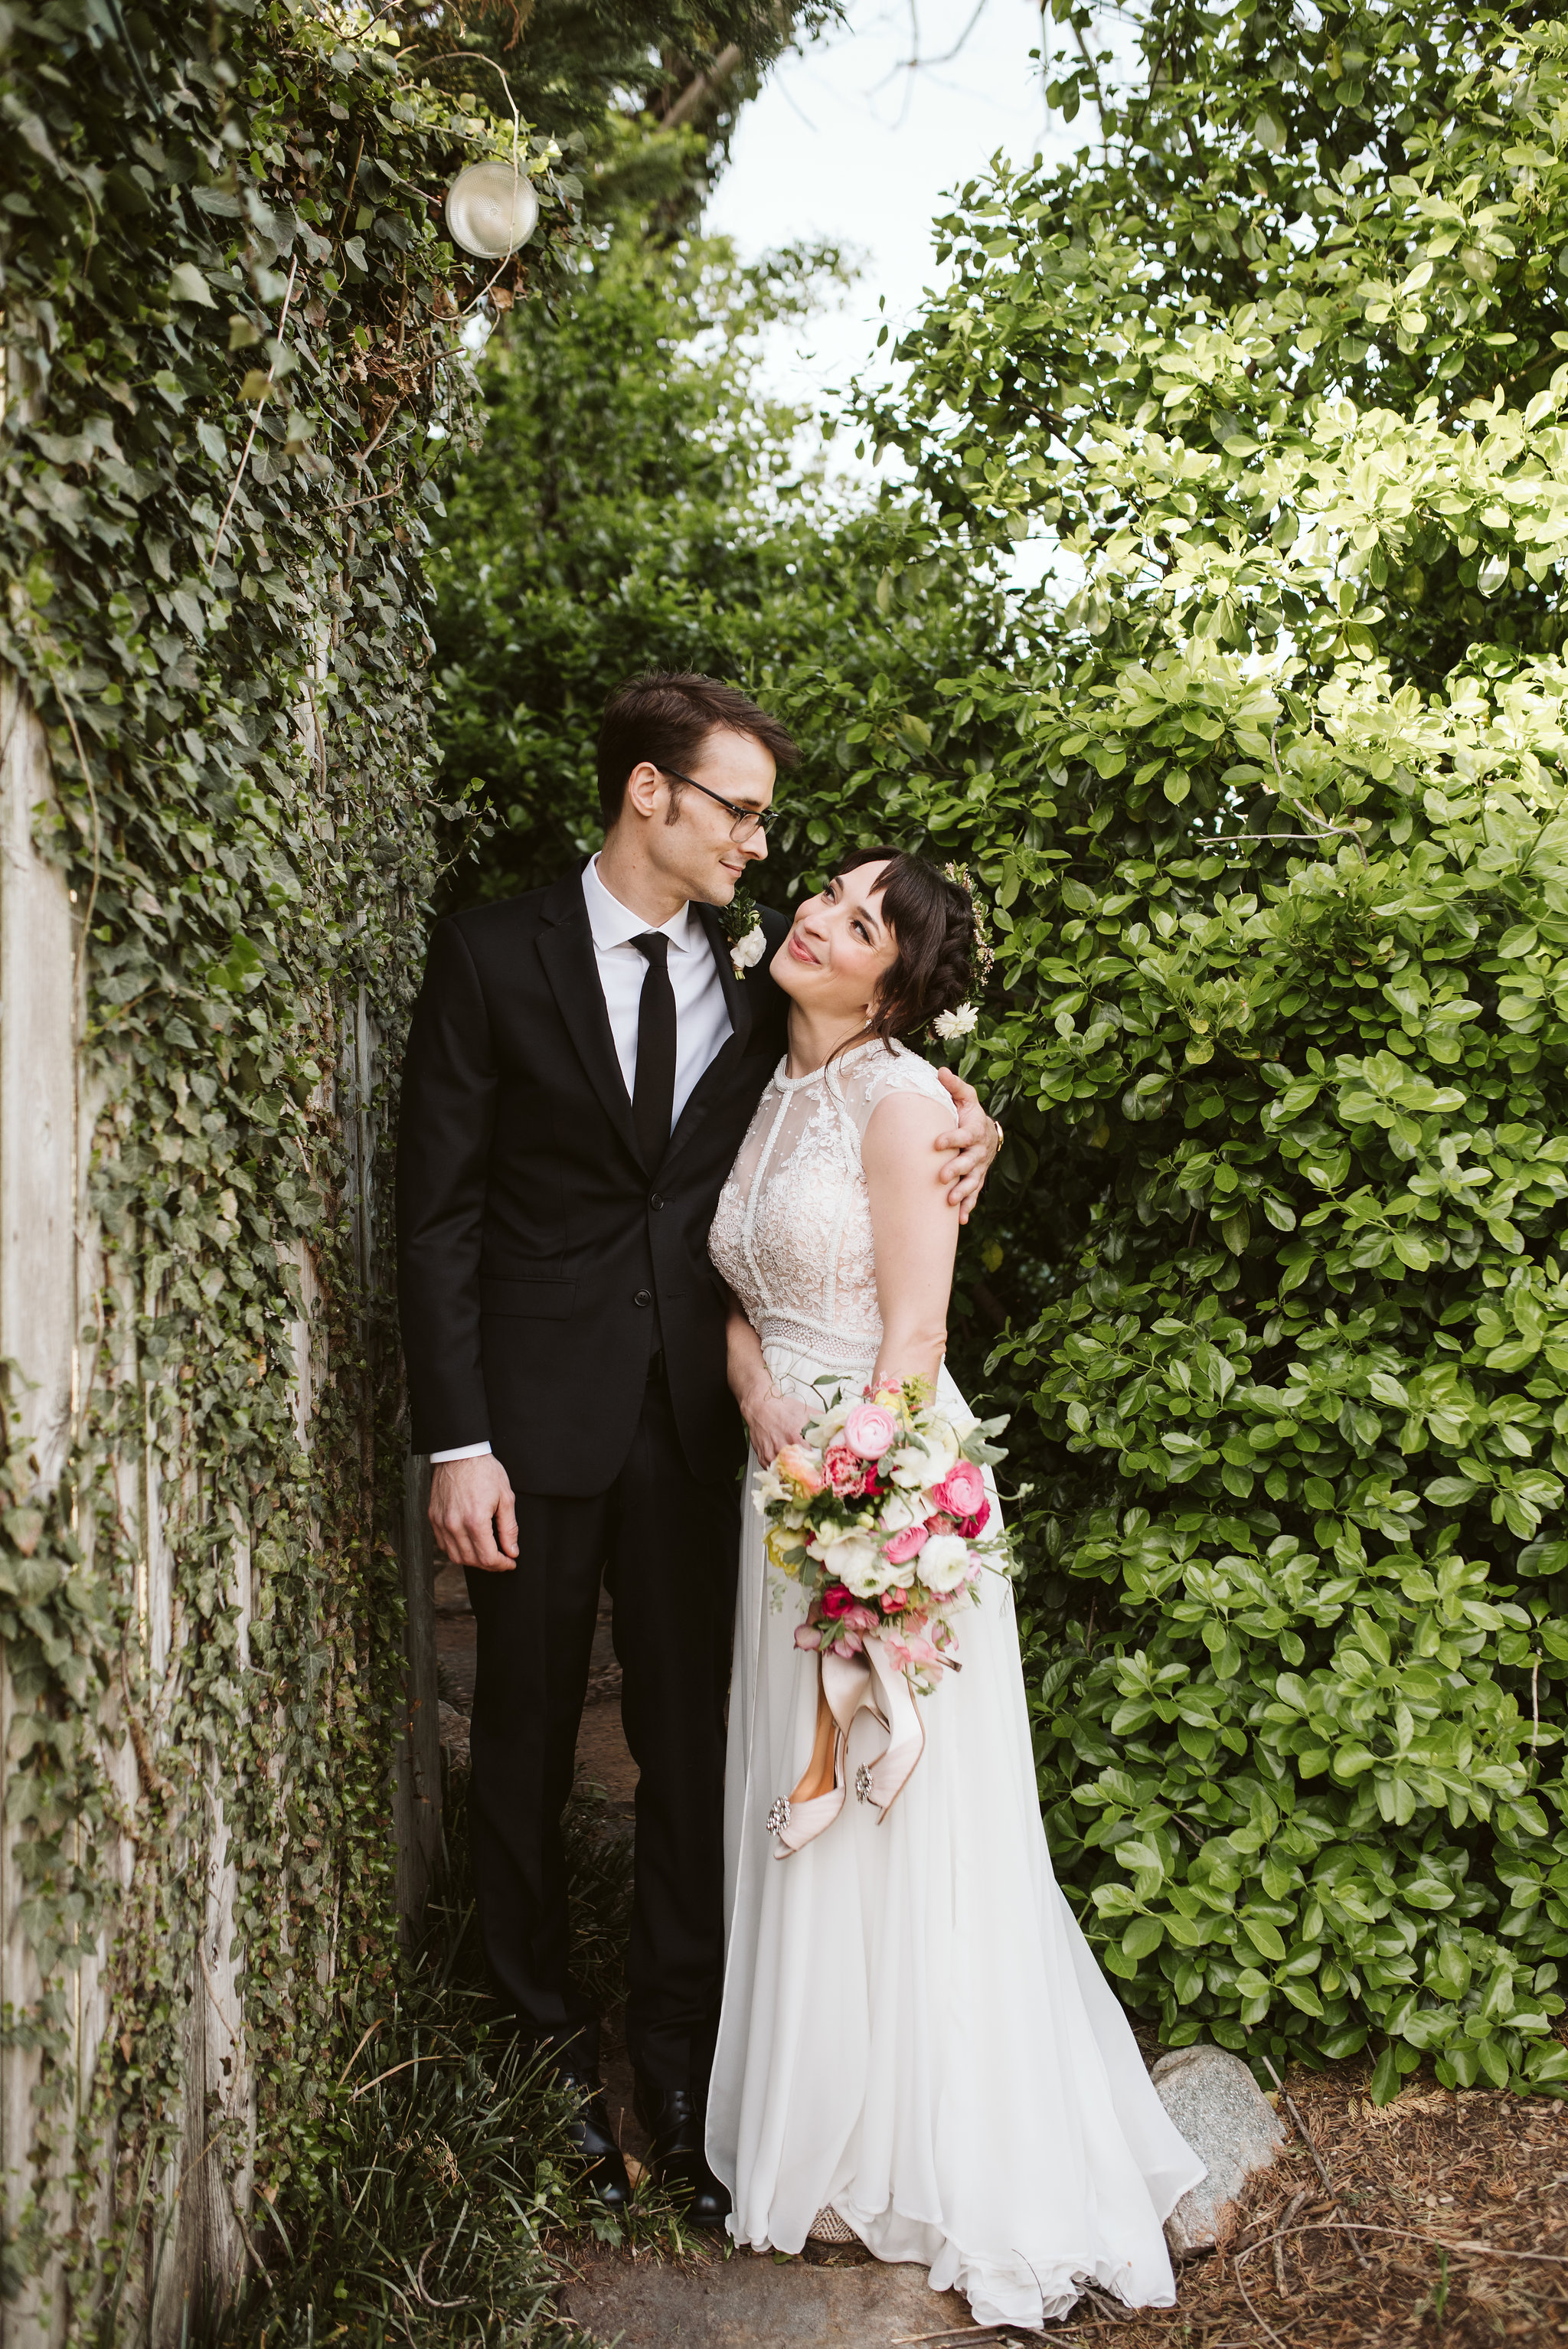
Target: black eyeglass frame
{"points": [[754, 819]]}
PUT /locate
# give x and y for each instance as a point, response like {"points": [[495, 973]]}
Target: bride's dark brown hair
{"points": [[933, 925]]}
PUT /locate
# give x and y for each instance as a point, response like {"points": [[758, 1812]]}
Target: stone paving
{"points": [[744, 2302]]}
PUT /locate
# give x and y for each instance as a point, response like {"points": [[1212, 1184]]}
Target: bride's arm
{"points": [[914, 1233], [772, 1417]]}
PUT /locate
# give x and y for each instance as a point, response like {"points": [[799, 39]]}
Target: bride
{"points": [[916, 2046]]}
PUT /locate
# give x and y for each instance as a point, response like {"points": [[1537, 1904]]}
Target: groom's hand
{"points": [[975, 1138], [472, 1511]]}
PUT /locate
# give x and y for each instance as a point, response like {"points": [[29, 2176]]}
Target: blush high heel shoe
{"points": [[794, 1822]]}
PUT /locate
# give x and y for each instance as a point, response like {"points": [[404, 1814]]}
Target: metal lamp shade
{"points": [[490, 210]]}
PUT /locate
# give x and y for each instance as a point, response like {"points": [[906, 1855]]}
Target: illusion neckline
{"points": [[813, 1076]]}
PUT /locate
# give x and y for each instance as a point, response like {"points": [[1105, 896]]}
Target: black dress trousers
{"points": [[667, 1546]]}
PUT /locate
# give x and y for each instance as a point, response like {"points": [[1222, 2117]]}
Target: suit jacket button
{"points": [[643, 1297], [655, 1201]]}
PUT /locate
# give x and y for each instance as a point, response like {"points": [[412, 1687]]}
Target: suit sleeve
{"points": [[446, 1122]]}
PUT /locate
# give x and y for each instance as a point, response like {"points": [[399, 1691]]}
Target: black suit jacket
{"points": [[536, 1253]]}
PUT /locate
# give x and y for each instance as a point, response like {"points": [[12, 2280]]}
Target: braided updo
{"points": [[932, 922]]}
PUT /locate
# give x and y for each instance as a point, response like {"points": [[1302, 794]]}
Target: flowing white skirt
{"points": [[914, 2032]]}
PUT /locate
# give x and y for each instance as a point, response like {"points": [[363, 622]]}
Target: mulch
{"points": [[1431, 2179]]}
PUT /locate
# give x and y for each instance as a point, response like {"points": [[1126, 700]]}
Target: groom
{"points": [[583, 1065]]}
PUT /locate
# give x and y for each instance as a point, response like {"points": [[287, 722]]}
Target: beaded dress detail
{"points": [[916, 2046], [793, 1231]]}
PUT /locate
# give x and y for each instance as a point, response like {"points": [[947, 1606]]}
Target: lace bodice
{"points": [[793, 1231]]}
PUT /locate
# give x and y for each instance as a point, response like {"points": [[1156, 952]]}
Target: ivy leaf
{"points": [[186, 284]]}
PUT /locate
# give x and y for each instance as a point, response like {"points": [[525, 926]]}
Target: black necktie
{"points": [[654, 1095]]}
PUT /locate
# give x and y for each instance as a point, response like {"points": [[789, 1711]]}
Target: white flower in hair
{"points": [[959, 1022], [747, 950]]}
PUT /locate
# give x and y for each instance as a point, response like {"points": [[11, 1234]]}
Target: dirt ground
{"points": [[1447, 2222]]}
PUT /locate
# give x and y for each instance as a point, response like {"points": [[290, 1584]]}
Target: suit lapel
{"points": [[740, 995], [566, 950], [736, 993]]}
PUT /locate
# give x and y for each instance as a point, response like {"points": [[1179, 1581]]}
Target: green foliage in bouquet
{"points": [[1275, 831]]}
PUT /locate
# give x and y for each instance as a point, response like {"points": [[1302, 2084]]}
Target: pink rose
{"points": [[846, 1471], [869, 1429], [961, 1491], [798, 1464], [907, 1545], [859, 1618], [893, 1603]]}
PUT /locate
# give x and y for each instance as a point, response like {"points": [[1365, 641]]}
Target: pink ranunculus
{"points": [[846, 1471], [859, 1618], [893, 1603], [869, 1429], [940, 1524], [807, 1635], [907, 1545], [835, 1600], [970, 1526], [961, 1491], [799, 1465]]}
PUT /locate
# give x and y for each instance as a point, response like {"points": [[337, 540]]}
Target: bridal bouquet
{"points": [[878, 1514]]}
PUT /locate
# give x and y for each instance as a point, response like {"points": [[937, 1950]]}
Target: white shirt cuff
{"points": [[463, 1452]]}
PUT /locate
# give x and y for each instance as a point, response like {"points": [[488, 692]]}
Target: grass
{"points": [[443, 2201]]}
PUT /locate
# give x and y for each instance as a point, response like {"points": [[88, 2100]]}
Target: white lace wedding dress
{"points": [[914, 2034]]}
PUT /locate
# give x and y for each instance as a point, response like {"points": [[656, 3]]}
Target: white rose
{"points": [[926, 1463], [862, 1567], [944, 1563], [899, 1511], [747, 950]]}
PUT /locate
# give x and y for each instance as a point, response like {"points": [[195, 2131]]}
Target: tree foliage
{"points": [[637, 502]]}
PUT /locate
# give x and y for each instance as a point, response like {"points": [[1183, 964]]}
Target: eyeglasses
{"points": [[746, 820]]}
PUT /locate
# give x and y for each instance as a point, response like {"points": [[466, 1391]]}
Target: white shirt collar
{"points": [[614, 924]]}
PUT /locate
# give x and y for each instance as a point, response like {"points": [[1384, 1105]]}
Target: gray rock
{"points": [[1231, 2127]]}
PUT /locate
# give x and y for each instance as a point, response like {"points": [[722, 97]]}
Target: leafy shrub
{"points": [[1277, 853]]}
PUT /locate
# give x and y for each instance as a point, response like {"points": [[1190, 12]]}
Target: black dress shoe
{"points": [[588, 2132], [674, 2120]]}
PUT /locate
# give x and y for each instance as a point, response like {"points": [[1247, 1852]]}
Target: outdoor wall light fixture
{"points": [[490, 210]]}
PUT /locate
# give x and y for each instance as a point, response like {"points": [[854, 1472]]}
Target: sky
{"points": [[850, 141]]}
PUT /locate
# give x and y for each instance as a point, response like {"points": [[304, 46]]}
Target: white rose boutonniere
{"points": [[743, 930]]}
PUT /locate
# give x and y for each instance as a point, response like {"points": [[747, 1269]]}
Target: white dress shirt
{"points": [[702, 1015]]}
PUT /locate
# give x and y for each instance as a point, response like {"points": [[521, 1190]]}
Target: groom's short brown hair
{"points": [[666, 718]]}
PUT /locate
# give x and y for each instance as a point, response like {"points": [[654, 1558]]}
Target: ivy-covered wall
{"points": [[232, 359]]}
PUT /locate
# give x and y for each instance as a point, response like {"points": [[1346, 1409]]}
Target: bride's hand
{"points": [[773, 1419]]}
